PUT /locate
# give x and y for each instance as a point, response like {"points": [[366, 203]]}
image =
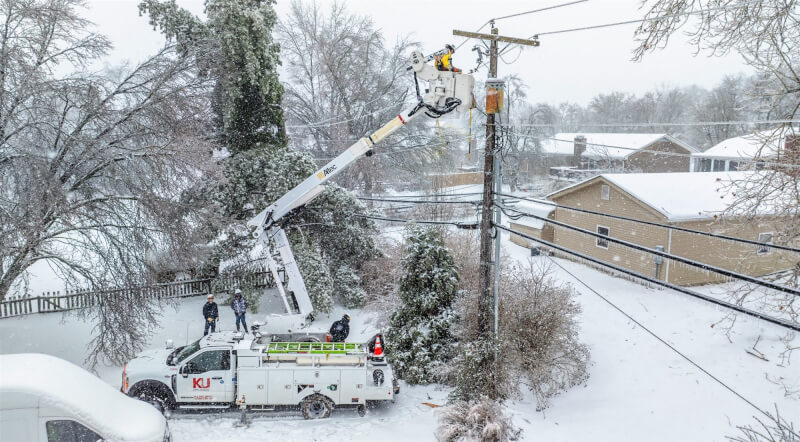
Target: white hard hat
{"points": [[238, 292]]}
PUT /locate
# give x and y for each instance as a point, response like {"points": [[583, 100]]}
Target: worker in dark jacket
{"points": [[210, 314], [239, 306], [340, 329]]}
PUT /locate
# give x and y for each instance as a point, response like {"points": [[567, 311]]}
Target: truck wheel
{"points": [[316, 406], [362, 410], [154, 396]]}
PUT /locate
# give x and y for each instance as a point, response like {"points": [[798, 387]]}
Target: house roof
{"points": [[682, 196], [541, 210], [763, 144], [607, 145]]}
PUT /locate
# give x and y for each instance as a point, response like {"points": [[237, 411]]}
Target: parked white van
{"points": [[47, 399]]}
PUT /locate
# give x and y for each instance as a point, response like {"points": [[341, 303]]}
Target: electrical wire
{"points": [[687, 261], [654, 152], [670, 346], [335, 121], [650, 223], [787, 324], [433, 195], [418, 201], [671, 124], [519, 14], [459, 224], [628, 22]]}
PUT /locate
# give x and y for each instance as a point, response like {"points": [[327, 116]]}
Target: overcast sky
{"points": [[566, 67]]}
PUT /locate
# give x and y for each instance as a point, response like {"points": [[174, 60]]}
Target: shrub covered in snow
{"points": [[477, 420], [419, 337], [538, 341]]}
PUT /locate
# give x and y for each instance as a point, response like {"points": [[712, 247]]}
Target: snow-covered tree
{"points": [[347, 285], [236, 48], [316, 273], [419, 337]]}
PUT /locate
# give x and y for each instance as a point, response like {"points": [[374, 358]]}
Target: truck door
{"points": [[206, 377]]}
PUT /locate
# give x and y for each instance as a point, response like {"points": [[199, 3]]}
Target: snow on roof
{"points": [[764, 144], [605, 145], [61, 384], [679, 196], [542, 210]]}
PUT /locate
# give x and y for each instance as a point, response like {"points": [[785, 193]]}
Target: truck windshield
{"points": [[187, 351]]}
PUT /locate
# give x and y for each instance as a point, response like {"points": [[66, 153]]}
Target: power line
{"points": [[335, 121], [418, 201], [691, 262], [433, 195], [787, 324], [519, 14], [671, 124], [459, 224], [655, 152], [670, 346], [628, 22], [650, 223]]}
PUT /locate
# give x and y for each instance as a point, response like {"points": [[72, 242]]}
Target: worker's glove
{"points": [[210, 319]]}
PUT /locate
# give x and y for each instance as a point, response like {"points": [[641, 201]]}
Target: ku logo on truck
{"points": [[198, 382]]}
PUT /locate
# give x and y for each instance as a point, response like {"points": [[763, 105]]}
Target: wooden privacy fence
{"points": [[76, 299]]}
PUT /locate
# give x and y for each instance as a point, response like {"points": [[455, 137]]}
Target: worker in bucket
{"points": [[239, 306], [444, 59], [210, 314], [340, 329]]}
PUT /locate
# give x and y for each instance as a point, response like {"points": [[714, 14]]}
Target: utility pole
{"points": [[487, 314]]}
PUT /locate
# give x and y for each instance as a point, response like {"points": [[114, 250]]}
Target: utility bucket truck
{"points": [[269, 370]]}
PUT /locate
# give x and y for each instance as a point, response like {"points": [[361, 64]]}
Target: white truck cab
{"points": [[47, 399], [261, 372]]}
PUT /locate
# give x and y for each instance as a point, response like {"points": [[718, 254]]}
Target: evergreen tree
{"points": [[235, 47], [419, 336]]}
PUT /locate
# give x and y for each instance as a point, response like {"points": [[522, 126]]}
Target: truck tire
{"points": [[154, 394], [316, 406]]}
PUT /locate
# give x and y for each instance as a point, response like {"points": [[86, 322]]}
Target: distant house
{"points": [[747, 151], [689, 200]]}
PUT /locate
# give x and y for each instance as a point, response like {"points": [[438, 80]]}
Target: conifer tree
{"points": [[419, 337]]}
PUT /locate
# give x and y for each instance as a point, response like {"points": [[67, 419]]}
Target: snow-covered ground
{"points": [[639, 389]]}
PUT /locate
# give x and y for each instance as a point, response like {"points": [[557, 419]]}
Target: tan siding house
{"points": [[671, 199]]}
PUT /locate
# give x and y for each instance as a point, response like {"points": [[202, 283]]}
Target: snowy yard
{"points": [[639, 389]]}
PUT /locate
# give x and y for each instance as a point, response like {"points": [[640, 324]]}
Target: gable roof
{"points": [[607, 145], [763, 144], [681, 196]]}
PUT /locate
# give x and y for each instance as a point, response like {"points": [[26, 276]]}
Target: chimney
{"points": [[791, 148], [579, 147]]}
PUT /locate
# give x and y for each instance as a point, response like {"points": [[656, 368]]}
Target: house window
{"points": [[733, 166], [605, 192], [705, 165], [719, 165], [602, 242], [764, 238]]}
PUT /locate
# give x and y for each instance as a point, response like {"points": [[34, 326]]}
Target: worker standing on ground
{"points": [[340, 329], [210, 314], [239, 306], [444, 59]]}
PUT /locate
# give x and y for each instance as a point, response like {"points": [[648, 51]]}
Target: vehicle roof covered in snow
{"points": [[58, 383]]}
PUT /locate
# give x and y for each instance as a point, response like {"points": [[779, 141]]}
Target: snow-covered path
{"points": [[639, 389]]}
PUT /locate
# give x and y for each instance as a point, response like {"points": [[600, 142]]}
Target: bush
{"points": [[774, 429], [478, 420], [538, 341]]}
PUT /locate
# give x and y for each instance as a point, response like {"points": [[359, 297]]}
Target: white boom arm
{"points": [[447, 91]]}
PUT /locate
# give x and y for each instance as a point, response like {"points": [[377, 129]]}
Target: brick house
{"points": [[688, 200], [582, 155]]}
